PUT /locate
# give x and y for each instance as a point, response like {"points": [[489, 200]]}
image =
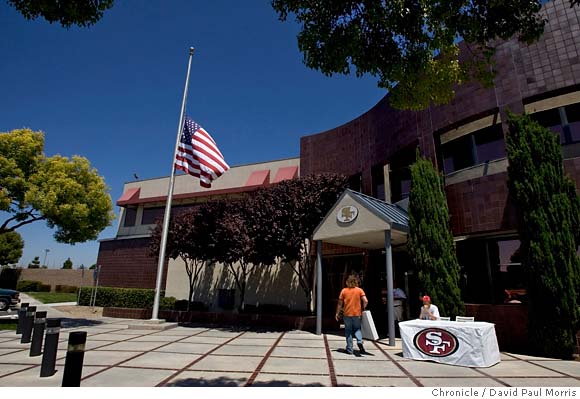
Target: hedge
{"points": [[70, 289], [32, 286], [111, 297]]}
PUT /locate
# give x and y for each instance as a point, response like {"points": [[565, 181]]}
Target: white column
{"points": [[390, 297], [318, 287]]}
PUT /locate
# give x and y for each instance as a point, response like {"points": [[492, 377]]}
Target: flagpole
{"points": [[167, 214]]}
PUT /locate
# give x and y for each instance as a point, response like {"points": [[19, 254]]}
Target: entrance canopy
{"points": [[357, 220]]}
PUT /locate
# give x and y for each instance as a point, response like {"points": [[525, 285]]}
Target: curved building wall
{"points": [[527, 79]]}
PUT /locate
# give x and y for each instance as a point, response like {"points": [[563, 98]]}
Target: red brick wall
{"points": [[54, 277], [126, 263], [482, 204]]}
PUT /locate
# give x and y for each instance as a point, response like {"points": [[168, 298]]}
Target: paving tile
{"points": [[184, 347], [156, 338], [541, 382], [126, 377], [265, 334], [10, 368], [89, 345], [358, 366], [268, 342], [420, 369], [13, 345], [371, 355], [110, 337], [133, 346], [4, 351], [517, 369], [175, 361], [527, 357], [31, 378], [291, 380], [296, 366], [209, 379], [374, 382], [23, 357], [220, 334], [8, 339], [131, 331], [205, 340], [245, 350], [304, 336], [181, 332], [567, 367], [305, 343], [288, 351], [459, 382], [103, 358], [227, 363]]}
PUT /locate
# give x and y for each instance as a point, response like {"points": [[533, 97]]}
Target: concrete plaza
{"points": [[210, 356]]}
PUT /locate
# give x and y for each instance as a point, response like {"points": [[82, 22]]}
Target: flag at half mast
{"points": [[199, 155]]}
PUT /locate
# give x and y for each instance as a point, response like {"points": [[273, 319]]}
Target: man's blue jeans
{"points": [[352, 326]]}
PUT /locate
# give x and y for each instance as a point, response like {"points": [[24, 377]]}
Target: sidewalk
{"points": [[204, 356]]}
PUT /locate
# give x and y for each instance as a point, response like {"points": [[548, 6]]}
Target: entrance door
{"points": [[335, 271]]}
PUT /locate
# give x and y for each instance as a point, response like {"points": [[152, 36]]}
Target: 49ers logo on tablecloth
{"points": [[436, 342]]}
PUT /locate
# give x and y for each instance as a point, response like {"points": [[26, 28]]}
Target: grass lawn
{"points": [[53, 297], [8, 326]]}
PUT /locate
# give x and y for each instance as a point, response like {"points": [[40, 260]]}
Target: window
{"points": [[479, 147], [151, 215], [491, 271], [378, 177], [400, 183], [565, 121], [130, 216], [355, 182]]}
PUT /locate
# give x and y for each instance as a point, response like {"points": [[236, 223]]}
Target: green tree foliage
{"points": [[67, 194], [11, 246], [67, 264], [430, 245], [35, 264], [547, 215], [93, 267], [67, 13], [9, 277], [409, 46]]}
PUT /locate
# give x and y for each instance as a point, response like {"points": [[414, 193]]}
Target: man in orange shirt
{"points": [[353, 300]]}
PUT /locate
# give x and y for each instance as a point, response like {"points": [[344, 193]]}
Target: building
{"points": [[464, 139]]}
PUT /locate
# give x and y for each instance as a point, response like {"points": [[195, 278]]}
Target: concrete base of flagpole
{"points": [[153, 324]]}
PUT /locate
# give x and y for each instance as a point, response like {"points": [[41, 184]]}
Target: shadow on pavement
{"points": [[73, 323], [235, 382]]}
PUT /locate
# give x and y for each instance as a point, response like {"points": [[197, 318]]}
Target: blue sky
{"points": [[112, 92]]}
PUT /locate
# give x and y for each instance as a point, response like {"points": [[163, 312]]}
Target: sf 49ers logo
{"points": [[436, 342]]}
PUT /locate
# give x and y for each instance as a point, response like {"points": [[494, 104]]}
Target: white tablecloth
{"points": [[471, 344]]}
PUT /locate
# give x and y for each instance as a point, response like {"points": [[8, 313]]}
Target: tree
{"points": [[186, 240], [67, 264], [11, 246], [93, 267], [297, 206], [78, 12], [431, 248], [411, 47], [67, 194], [35, 264], [82, 267], [547, 214]]}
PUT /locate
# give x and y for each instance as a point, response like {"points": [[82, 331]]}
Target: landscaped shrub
{"points": [[28, 286], [70, 289], [43, 288], [110, 297], [167, 303]]}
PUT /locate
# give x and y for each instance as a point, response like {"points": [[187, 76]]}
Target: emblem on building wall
{"points": [[347, 214]]}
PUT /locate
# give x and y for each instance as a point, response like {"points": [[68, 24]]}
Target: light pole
{"points": [[46, 251]]}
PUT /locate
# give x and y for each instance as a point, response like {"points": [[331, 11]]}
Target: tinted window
{"points": [[490, 144], [151, 215], [130, 216]]}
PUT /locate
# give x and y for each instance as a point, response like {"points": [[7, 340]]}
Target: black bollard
{"points": [[50, 347], [21, 316], [75, 354], [37, 334], [27, 324]]}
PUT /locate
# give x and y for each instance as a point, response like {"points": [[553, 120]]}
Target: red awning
{"points": [[128, 196], [287, 173], [258, 178]]}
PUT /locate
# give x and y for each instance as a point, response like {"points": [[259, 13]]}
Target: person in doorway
{"points": [[428, 310], [352, 301], [399, 298]]}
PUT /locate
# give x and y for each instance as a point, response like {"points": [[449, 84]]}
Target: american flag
{"points": [[199, 155]]}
